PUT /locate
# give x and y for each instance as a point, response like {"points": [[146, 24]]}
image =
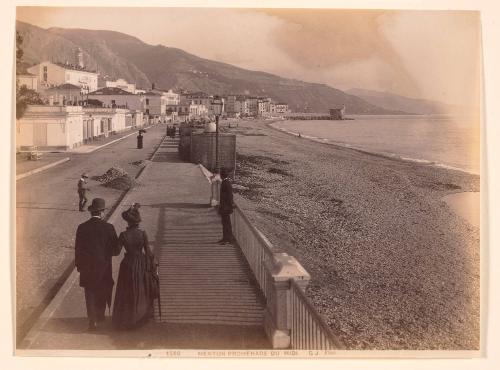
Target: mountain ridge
{"points": [[393, 101], [118, 55]]}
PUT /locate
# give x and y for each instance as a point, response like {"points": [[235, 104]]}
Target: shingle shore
{"points": [[392, 266]]}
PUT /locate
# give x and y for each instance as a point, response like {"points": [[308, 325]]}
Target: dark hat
{"points": [[223, 173], [98, 204], [85, 174], [132, 215]]}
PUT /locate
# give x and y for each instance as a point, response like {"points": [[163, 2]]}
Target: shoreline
{"points": [[393, 156], [466, 205], [392, 265]]}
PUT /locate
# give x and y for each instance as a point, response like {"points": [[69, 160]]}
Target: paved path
{"points": [[25, 166], [47, 216], [208, 299]]}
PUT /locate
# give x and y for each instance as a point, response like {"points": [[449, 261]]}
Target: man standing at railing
{"points": [[226, 207]]}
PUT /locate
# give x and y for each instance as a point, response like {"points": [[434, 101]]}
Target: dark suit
{"points": [[226, 208], [96, 242]]}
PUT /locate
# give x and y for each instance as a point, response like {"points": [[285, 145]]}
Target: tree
{"points": [[24, 96], [19, 50]]}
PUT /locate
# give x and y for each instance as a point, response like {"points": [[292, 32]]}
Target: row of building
{"points": [[73, 98]]}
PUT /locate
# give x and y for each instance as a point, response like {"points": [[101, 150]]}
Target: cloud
{"points": [[441, 50], [422, 54], [425, 54]]}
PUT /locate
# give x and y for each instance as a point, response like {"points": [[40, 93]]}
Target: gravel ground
{"points": [[392, 266]]}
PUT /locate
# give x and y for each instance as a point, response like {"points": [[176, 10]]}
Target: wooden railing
{"points": [[256, 248], [291, 321], [308, 329]]}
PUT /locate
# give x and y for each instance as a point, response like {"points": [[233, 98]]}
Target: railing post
{"points": [[277, 319], [215, 181]]}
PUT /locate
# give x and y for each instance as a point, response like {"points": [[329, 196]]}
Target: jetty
{"points": [[335, 114]]}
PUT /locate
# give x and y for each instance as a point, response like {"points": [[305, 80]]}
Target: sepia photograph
{"points": [[218, 182]]}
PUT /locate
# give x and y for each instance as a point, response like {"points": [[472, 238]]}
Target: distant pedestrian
{"points": [[83, 188], [133, 304], [96, 242], [226, 207]]}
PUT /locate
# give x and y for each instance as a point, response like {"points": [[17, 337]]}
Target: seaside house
{"points": [[51, 74], [263, 106], [63, 127], [281, 108], [171, 101], [171, 98], [214, 107], [122, 84], [50, 127], [27, 79], [154, 106], [253, 105], [182, 111], [241, 106], [197, 111], [230, 109], [106, 121], [198, 99], [65, 94], [116, 97], [272, 108]]}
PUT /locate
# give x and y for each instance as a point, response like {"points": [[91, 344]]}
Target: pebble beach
{"points": [[392, 265]]}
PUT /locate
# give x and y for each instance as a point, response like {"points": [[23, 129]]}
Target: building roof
{"points": [[26, 74], [65, 87], [73, 67], [110, 91], [199, 94], [151, 93]]}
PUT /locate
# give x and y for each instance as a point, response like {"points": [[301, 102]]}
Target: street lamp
{"points": [[217, 106]]}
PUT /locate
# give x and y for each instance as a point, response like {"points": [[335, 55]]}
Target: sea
{"points": [[440, 140]]}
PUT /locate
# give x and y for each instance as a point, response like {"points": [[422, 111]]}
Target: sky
{"points": [[423, 54]]}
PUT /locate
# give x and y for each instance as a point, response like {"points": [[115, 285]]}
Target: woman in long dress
{"points": [[132, 306]]}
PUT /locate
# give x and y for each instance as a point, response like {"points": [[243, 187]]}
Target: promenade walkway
{"points": [[208, 297]]}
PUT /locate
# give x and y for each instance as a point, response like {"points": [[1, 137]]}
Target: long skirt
{"points": [[132, 306]]}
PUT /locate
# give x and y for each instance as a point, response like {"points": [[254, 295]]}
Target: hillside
{"points": [[117, 55], [398, 102]]}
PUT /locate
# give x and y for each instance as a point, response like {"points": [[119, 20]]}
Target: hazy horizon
{"points": [[399, 52]]}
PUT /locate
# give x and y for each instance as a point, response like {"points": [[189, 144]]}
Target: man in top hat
{"points": [[82, 191], [226, 207], [96, 242]]}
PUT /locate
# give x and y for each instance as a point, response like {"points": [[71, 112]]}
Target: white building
{"points": [[67, 127], [29, 80], [264, 107], [54, 74], [51, 127], [116, 97], [197, 111], [217, 106], [281, 108], [153, 105], [106, 121], [122, 84], [241, 106], [171, 98]]}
